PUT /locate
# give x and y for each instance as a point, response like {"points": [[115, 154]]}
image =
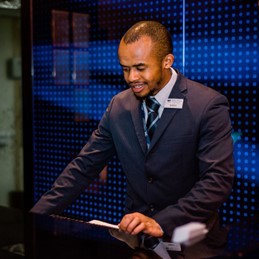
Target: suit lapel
{"points": [[137, 118], [168, 114]]}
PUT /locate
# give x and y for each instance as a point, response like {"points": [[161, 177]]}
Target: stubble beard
{"points": [[151, 92]]}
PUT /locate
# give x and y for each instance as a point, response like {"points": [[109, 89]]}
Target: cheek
{"points": [[153, 77], [148, 76]]}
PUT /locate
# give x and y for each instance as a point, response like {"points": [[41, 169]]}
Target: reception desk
{"points": [[44, 237]]}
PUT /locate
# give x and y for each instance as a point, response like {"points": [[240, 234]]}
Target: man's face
{"points": [[143, 71]]}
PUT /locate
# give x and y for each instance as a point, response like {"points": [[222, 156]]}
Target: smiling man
{"points": [[181, 173]]}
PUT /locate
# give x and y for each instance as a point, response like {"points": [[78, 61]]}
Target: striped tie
{"points": [[152, 108]]}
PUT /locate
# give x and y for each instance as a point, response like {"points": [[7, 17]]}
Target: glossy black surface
{"points": [[57, 237]]}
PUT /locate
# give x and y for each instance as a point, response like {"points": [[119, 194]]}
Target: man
{"points": [[180, 167]]}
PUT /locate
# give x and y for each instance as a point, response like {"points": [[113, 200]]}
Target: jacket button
{"points": [[150, 180], [151, 207]]}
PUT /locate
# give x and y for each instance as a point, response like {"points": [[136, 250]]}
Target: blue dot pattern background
{"points": [[76, 73]]}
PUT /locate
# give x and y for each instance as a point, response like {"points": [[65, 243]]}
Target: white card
{"points": [[174, 103], [189, 233]]}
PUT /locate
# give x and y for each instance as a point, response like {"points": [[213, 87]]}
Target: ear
{"points": [[168, 60]]}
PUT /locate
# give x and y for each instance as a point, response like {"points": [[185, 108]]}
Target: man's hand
{"points": [[135, 223]]}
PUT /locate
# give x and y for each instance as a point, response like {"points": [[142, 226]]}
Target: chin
{"points": [[144, 93], [141, 96]]}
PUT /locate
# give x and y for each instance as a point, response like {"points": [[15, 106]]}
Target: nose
{"points": [[133, 75]]}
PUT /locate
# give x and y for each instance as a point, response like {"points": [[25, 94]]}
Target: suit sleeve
{"points": [[216, 170], [80, 171]]}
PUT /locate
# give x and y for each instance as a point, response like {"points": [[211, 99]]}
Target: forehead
{"points": [[141, 51]]}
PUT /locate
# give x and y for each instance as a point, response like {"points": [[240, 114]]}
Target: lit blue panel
{"points": [[215, 42], [73, 82], [222, 52]]}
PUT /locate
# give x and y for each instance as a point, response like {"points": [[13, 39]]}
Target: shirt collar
{"points": [[164, 93]]}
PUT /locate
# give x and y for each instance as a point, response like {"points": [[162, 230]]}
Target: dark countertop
{"points": [[45, 237]]}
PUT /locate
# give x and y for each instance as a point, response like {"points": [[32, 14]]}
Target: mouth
{"points": [[137, 87]]}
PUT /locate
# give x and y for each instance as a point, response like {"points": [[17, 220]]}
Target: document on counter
{"points": [[131, 240], [103, 224]]}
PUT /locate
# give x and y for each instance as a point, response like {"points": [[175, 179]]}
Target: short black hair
{"points": [[158, 33]]}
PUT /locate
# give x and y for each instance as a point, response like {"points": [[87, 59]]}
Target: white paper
{"points": [[189, 233], [103, 224]]}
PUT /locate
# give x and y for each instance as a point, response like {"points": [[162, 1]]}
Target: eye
{"points": [[125, 69], [141, 68]]}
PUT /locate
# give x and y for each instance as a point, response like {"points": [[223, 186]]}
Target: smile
{"points": [[136, 88]]}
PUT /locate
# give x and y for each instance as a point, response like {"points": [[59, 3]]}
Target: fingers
{"points": [[136, 223], [130, 223], [138, 229]]}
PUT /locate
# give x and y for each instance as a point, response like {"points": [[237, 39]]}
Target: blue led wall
{"points": [[221, 51], [76, 72]]}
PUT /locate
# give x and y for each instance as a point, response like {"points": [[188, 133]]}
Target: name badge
{"points": [[174, 103], [172, 246]]}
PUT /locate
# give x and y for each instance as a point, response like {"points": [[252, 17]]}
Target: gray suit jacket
{"points": [[184, 176]]}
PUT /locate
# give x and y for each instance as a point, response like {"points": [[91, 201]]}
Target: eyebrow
{"points": [[136, 65]]}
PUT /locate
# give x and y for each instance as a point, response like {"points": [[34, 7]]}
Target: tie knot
{"points": [[152, 104]]}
